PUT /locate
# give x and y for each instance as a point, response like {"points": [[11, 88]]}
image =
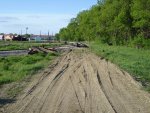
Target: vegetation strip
{"points": [[115, 22], [8, 46], [16, 68], [134, 61]]}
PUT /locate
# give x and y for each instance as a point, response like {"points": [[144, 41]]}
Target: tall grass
{"points": [[135, 61], [16, 68]]}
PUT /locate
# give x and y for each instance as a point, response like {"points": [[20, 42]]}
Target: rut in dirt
{"points": [[83, 83]]}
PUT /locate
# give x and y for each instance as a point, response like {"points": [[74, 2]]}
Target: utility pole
{"points": [[48, 36], [27, 30], [48, 33], [21, 35], [52, 37], [27, 36], [40, 33], [21, 32]]}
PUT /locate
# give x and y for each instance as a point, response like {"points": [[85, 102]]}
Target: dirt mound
{"points": [[83, 83]]}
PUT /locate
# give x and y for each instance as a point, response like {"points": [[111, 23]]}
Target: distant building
{"points": [[8, 37], [35, 38], [38, 38], [42, 38], [1, 37]]}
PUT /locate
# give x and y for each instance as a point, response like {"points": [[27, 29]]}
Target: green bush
{"points": [[140, 42]]}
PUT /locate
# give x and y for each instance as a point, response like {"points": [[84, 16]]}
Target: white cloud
{"points": [[35, 22]]}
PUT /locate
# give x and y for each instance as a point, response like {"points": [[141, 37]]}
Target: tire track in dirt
{"points": [[80, 82]]}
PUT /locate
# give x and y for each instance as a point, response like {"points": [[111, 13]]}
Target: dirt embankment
{"points": [[83, 83]]}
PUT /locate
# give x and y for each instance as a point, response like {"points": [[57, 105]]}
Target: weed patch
{"points": [[135, 61], [16, 68]]}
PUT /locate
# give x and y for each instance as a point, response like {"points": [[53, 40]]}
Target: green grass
{"points": [[13, 45], [16, 68], [134, 61]]}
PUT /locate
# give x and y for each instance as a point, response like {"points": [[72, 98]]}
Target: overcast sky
{"points": [[39, 15]]}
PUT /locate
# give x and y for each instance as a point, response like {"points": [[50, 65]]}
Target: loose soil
{"points": [[80, 82]]}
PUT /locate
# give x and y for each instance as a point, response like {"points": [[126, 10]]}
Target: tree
{"points": [[111, 21], [57, 36], [141, 15]]}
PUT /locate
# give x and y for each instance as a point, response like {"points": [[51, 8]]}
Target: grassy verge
{"points": [[4, 46], [16, 68], [134, 61]]}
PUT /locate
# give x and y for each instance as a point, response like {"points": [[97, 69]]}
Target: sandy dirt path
{"points": [[81, 82]]}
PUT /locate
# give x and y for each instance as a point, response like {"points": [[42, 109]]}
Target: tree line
{"points": [[118, 22]]}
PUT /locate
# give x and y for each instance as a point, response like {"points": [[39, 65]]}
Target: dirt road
{"points": [[83, 83]]}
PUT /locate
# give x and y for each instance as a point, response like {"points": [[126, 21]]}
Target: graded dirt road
{"points": [[80, 82]]}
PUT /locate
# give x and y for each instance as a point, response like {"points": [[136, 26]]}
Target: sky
{"points": [[39, 15]]}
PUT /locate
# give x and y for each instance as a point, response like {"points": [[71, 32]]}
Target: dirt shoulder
{"points": [[80, 82]]}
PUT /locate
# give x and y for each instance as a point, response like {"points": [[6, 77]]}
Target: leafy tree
{"points": [[141, 15], [111, 21]]}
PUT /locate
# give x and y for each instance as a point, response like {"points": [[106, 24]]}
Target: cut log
{"points": [[82, 45]]}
